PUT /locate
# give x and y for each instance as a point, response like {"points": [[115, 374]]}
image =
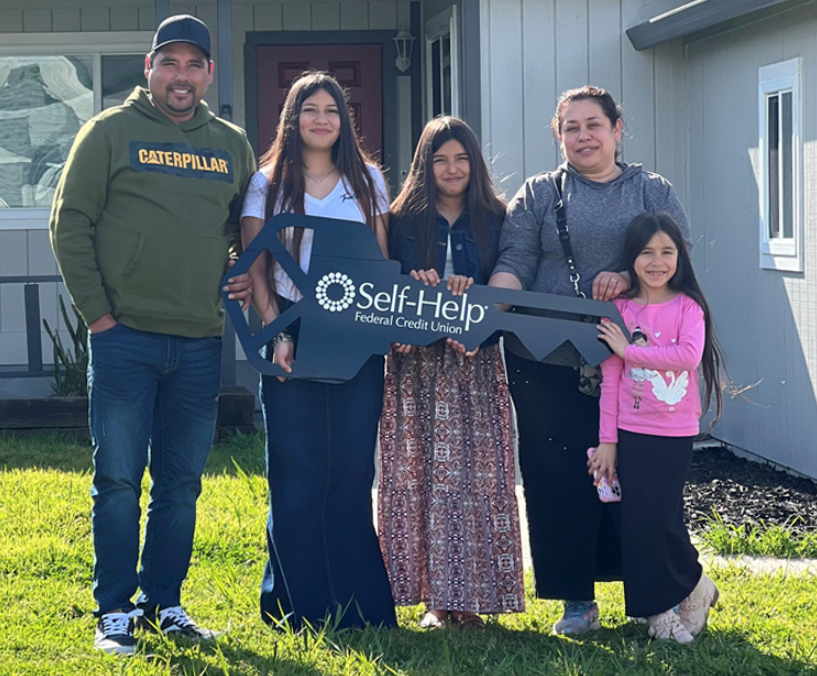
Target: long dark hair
{"points": [[418, 199], [639, 232], [286, 183]]}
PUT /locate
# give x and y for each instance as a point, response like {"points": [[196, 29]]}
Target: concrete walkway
{"points": [[757, 564]]}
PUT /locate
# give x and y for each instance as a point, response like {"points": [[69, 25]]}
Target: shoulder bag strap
{"points": [[564, 234]]}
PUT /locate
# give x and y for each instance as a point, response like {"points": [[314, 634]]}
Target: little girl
{"points": [[650, 408]]}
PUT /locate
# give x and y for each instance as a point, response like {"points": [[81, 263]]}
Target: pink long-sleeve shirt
{"points": [[654, 389]]}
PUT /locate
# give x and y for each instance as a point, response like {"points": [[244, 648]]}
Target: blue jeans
{"points": [[153, 402]]}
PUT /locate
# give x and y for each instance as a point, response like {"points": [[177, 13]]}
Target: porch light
{"points": [[404, 41]]}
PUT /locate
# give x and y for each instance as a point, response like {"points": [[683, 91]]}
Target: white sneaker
{"points": [[667, 627], [694, 609], [114, 632]]}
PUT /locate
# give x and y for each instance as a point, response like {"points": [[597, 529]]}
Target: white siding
{"points": [[767, 320], [543, 47], [24, 253]]}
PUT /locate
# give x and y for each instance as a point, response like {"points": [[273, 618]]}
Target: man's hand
{"points": [[239, 287], [104, 323]]}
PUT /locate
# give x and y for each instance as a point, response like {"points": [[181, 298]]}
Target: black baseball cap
{"points": [[182, 28]]}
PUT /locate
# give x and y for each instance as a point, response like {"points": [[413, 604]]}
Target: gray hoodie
{"points": [[597, 218]]}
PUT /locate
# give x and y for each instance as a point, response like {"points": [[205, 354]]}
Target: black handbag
{"points": [[589, 376]]}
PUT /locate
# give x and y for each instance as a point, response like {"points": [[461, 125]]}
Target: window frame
{"points": [[781, 253], [437, 27], [94, 44]]}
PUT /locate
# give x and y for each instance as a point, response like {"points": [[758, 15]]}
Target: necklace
{"points": [[320, 180]]}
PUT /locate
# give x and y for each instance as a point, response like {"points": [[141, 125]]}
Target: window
{"points": [[781, 197], [50, 85], [442, 73]]}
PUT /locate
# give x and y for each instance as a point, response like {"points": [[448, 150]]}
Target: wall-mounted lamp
{"points": [[404, 41]]}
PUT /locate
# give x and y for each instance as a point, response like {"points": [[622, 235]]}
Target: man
{"points": [[144, 220]]}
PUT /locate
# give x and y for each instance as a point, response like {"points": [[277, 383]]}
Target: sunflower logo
{"points": [[335, 292]]}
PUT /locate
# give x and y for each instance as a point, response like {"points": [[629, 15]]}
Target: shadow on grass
{"points": [[73, 453], [498, 651], [623, 650]]}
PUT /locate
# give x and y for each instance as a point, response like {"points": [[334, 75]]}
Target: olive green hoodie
{"points": [[146, 215]]}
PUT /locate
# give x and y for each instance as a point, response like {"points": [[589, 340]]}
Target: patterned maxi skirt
{"points": [[448, 519]]}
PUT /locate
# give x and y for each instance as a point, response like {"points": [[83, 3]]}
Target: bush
{"points": [[70, 368]]}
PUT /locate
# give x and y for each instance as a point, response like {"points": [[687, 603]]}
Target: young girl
{"points": [[650, 407], [323, 551], [448, 517]]}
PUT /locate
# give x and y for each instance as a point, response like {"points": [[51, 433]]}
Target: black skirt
{"points": [[660, 564], [324, 556], [573, 535]]}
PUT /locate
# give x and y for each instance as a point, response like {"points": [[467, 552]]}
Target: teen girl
{"points": [[650, 408], [448, 517], [323, 551]]}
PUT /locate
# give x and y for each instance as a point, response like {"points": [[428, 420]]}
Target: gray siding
{"points": [[767, 320], [45, 16], [533, 50], [690, 110]]}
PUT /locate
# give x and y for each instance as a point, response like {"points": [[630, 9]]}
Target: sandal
{"points": [[467, 620], [432, 621]]}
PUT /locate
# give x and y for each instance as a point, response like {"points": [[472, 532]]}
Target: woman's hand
{"points": [[427, 277], [459, 348], [459, 284], [611, 334], [609, 285], [284, 356], [401, 348], [603, 463]]}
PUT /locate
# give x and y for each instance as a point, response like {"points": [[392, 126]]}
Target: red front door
{"points": [[356, 67]]}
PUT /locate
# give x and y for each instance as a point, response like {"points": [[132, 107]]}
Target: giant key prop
{"points": [[356, 304]]}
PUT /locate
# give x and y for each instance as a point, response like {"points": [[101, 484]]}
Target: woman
{"points": [[447, 515], [572, 538], [323, 553]]}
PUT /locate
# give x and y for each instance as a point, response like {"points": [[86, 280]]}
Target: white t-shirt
{"points": [[341, 203], [449, 260]]}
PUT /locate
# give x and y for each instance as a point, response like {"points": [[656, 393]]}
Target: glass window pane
{"points": [[446, 76], [120, 74], [44, 100], [773, 146], [787, 164], [436, 101]]}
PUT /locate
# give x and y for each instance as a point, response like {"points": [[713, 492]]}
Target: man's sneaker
{"points": [[667, 627], [114, 632], [175, 621], [579, 617], [694, 609]]}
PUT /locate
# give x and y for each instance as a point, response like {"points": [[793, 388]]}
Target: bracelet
{"points": [[282, 337]]}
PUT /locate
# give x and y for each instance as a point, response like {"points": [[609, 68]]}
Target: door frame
{"points": [[389, 75]]}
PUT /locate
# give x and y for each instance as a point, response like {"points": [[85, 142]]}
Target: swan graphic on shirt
{"points": [[670, 391]]}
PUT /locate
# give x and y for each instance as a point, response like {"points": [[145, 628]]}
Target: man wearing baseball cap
{"points": [[144, 223]]}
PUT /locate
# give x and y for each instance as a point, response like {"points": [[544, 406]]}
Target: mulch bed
{"points": [[743, 491]]}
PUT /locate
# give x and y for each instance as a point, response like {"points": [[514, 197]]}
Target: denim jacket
{"points": [[403, 247], [464, 252]]}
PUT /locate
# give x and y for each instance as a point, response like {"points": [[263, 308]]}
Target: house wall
{"points": [[533, 50], [24, 244], [767, 320]]}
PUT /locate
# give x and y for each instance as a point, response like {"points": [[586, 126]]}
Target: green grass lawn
{"points": [[765, 625]]}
